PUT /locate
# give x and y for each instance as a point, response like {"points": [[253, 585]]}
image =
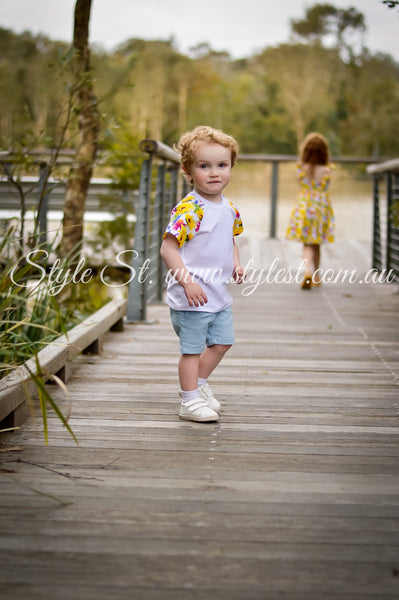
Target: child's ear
{"points": [[187, 174]]}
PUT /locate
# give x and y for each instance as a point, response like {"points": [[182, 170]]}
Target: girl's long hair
{"points": [[314, 151]]}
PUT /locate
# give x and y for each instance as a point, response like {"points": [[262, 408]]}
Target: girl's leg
{"points": [[316, 256], [308, 257], [311, 254], [188, 371], [210, 358]]}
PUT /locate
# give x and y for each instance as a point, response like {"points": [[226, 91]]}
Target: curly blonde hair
{"points": [[189, 141], [314, 150]]}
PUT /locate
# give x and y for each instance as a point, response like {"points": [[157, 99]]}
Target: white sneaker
{"points": [[206, 394], [197, 410]]}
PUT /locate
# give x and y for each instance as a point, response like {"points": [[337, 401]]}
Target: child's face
{"points": [[211, 170]]}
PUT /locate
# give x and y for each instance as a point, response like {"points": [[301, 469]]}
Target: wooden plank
{"points": [[293, 494], [55, 357]]}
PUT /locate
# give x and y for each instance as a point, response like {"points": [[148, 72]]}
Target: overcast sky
{"points": [[239, 26]]}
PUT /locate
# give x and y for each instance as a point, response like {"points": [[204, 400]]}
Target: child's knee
{"points": [[221, 348]]}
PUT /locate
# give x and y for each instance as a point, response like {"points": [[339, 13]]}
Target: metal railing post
{"points": [[146, 283], [392, 243], [273, 199], [388, 235], [394, 227], [137, 300], [389, 219], [43, 204], [154, 293], [172, 194], [377, 256], [161, 228], [169, 201]]}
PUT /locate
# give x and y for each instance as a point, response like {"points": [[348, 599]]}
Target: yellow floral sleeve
{"points": [[185, 219], [238, 226]]}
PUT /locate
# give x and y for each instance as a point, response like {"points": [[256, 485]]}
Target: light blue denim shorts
{"points": [[197, 329]]}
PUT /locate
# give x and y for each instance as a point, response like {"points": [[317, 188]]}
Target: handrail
{"points": [[158, 193], [55, 191], [294, 158], [160, 150], [383, 167], [65, 156], [157, 196]]}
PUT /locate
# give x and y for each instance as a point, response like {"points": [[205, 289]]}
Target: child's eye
{"points": [[222, 164], [203, 166]]}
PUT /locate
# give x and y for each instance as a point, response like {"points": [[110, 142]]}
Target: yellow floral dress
{"points": [[312, 218]]}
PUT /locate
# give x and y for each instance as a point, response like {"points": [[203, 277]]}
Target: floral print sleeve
{"points": [[185, 220], [238, 226]]}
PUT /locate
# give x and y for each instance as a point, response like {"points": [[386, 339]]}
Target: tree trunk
{"points": [[88, 121], [182, 105]]}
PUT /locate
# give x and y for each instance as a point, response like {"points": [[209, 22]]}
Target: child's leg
{"points": [[308, 257], [188, 371], [193, 407], [311, 254], [210, 358], [316, 256], [191, 329]]}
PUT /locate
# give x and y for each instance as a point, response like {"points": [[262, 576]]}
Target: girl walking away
{"points": [[312, 219], [199, 250]]}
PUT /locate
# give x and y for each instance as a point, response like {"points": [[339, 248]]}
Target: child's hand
{"points": [[239, 274], [195, 294]]}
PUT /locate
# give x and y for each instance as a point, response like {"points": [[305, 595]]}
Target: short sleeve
{"points": [[238, 226], [300, 171], [185, 220], [327, 177]]}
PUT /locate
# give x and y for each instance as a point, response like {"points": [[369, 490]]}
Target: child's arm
{"points": [[169, 252], [239, 271]]}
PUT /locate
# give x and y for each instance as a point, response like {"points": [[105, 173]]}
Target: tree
{"points": [[303, 77], [322, 20], [88, 122], [370, 95], [317, 22]]}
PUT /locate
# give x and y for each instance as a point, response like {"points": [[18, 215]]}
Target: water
{"points": [[249, 189], [351, 196]]}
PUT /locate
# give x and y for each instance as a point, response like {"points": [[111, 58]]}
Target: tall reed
{"points": [[30, 318]]}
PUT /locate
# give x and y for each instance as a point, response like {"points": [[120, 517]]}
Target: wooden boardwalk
{"points": [[294, 494]]}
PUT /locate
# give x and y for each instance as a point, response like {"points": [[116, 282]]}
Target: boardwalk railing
{"points": [[54, 197], [275, 160], [386, 230], [160, 189], [158, 193]]}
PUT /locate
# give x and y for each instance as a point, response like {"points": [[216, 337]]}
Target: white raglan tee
{"points": [[205, 232]]}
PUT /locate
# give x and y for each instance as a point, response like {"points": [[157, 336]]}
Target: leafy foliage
{"points": [[152, 90], [123, 159], [30, 318]]}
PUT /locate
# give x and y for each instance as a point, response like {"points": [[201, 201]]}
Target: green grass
{"points": [[31, 318]]}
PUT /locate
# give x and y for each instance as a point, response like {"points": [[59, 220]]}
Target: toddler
{"points": [[199, 250]]}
